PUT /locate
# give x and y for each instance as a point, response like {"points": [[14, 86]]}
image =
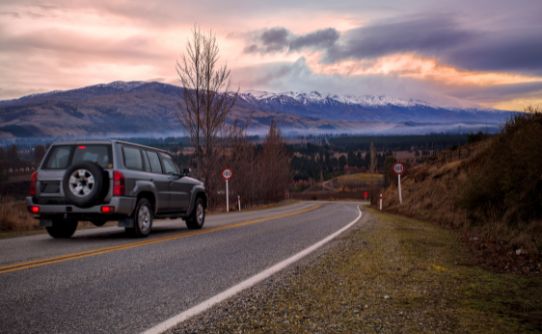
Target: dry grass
{"points": [[15, 217], [368, 178], [353, 182]]}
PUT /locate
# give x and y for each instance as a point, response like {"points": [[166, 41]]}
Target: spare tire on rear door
{"points": [[84, 184]]}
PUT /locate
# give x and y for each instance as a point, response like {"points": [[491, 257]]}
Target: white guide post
{"points": [[239, 202], [227, 197], [399, 189]]}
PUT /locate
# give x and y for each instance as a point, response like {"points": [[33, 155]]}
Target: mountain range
{"points": [[152, 109]]}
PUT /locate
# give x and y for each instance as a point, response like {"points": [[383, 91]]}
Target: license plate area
{"points": [[50, 187]]}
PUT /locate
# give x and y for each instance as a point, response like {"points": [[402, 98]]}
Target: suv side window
{"points": [[132, 158], [169, 166], [154, 162]]}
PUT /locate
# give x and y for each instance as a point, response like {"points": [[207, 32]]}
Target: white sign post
{"points": [[399, 168], [380, 202], [226, 174]]}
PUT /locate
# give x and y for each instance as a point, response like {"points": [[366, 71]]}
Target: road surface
{"points": [[101, 281]]}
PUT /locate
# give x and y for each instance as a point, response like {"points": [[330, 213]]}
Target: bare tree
{"points": [[243, 161], [206, 101]]}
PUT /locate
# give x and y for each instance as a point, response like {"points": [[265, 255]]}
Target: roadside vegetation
{"points": [[14, 216], [390, 275], [490, 190]]}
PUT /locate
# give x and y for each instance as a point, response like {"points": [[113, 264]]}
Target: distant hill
{"points": [[151, 108]]}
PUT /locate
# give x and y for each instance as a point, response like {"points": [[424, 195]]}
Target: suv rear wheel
{"points": [[197, 217], [62, 228], [143, 216]]}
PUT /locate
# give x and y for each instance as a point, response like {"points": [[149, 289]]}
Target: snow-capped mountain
{"points": [[144, 108], [317, 97]]}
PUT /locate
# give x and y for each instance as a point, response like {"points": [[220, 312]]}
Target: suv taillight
{"points": [[33, 184], [118, 183]]}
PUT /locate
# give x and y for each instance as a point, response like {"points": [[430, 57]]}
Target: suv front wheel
{"points": [[143, 215], [62, 228]]}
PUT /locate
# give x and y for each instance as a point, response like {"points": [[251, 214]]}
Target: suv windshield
{"points": [[63, 156]]}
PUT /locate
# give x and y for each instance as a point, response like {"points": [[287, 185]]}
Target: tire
{"points": [[143, 216], [62, 228], [197, 217], [84, 184]]}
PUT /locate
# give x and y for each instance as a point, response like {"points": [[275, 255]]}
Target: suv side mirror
{"points": [[186, 171]]}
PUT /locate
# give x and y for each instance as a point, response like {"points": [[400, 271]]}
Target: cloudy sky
{"points": [[448, 52]]}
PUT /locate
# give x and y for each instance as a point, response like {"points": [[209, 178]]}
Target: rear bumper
{"points": [[122, 207]]}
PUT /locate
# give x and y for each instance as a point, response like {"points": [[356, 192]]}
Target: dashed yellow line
{"points": [[181, 235]]}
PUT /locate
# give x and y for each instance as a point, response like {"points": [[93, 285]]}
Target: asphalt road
{"points": [[100, 281]]}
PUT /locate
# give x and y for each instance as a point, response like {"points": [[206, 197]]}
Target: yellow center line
{"points": [[180, 235]]}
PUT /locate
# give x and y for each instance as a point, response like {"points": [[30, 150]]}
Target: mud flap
{"points": [[126, 222]]}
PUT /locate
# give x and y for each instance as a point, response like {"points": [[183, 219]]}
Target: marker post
{"points": [[226, 174], [399, 168]]}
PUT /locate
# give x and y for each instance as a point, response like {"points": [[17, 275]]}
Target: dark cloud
{"points": [[280, 39], [443, 37], [321, 38], [517, 50], [270, 40], [275, 39], [428, 35]]}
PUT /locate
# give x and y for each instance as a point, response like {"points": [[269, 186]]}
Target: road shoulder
{"points": [[387, 274]]}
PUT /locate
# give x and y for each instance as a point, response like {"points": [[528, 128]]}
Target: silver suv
{"points": [[100, 181]]}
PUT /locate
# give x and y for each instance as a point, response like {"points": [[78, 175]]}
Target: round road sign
{"points": [[226, 174], [398, 168]]}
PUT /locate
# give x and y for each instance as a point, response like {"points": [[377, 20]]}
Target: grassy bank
{"points": [[391, 274], [490, 190]]}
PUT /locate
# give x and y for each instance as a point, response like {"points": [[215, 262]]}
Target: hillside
{"points": [[151, 108], [490, 190]]}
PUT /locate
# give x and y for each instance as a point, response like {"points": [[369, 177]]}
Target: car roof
{"points": [[110, 141]]}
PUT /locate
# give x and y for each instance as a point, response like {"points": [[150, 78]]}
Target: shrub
{"points": [[505, 183], [14, 217]]}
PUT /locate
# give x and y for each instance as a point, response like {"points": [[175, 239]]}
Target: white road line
{"points": [[207, 304]]}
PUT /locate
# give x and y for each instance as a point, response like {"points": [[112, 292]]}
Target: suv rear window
{"points": [[63, 156]]}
